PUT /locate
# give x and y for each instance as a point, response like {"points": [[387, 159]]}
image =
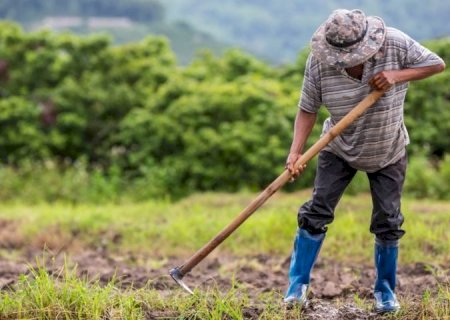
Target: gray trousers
{"points": [[333, 176]]}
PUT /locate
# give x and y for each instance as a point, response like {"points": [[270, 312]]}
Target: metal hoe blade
{"points": [[176, 275]]}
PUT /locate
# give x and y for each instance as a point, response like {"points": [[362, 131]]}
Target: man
{"points": [[353, 54]]}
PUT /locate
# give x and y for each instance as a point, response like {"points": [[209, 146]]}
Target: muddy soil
{"points": [[334, 285]]}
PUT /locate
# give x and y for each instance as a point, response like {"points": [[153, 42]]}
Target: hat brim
{"points": [[353, 55]]}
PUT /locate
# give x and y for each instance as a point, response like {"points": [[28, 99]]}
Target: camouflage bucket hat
{"points": [[348, 38]]}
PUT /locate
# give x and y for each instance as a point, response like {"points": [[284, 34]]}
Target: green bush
{"points": [[36, 182], [21, 136], [427, 180], [116, 118], [427, 108]]}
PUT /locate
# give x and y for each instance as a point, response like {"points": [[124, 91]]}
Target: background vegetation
{"points": [[271, 30], [80, 114], [145, 16]]}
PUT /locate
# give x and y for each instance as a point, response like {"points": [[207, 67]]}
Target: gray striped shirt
{"points": [[378, 138]]}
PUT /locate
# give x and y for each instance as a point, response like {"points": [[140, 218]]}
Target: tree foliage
{"points": [[218, 124], [427, 108]]}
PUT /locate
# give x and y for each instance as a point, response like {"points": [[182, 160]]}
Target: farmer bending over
{"points": [[352, 54]]}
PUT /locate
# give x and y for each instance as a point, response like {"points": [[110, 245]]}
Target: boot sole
{"points": [[293, 303], [385, 311]]}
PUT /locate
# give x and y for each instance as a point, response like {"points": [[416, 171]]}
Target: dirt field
{"points": [[334, 286], [339, 290]]}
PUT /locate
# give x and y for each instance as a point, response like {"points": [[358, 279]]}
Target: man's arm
{"points": [[304, 122], [385, 79]]}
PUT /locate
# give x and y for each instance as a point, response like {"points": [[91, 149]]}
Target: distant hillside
{"points": [[26, 11], [125, 20], [277, 30], [273, 30]]}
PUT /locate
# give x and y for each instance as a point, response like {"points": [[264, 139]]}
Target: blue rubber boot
{"points": [[306, 250], [386, 265]]}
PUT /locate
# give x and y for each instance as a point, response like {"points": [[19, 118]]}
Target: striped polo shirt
{"points": [[377, 138]]}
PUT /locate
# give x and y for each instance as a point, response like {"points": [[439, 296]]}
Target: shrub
{"points": [[112, 117]]}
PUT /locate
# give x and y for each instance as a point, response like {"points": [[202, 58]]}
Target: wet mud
{"points": [[333, 286]]}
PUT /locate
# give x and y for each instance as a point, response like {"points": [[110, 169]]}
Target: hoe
{"points": [[179, 272]]}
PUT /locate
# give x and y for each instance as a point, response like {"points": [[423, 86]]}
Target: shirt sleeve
{"points": [[417, 56], [311, 96]]}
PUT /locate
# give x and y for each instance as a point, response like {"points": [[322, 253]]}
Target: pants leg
{"points": [[386, 186], [332, 177]]}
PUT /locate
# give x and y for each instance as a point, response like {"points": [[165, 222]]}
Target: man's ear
{"points": [[380, 53]]}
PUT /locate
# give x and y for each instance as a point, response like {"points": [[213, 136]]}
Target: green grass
{"points": [[41, 296], [161, 228]]}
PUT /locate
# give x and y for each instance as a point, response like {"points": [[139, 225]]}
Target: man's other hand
{"points": [[290, 165], [383, 80]]}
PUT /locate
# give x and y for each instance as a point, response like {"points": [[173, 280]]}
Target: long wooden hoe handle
{"points": [[179, 272]]}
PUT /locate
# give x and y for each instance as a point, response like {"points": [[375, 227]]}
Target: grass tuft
{"points": [[63, 295]]}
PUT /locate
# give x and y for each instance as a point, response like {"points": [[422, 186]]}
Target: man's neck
{"points": [[356, 71]]}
